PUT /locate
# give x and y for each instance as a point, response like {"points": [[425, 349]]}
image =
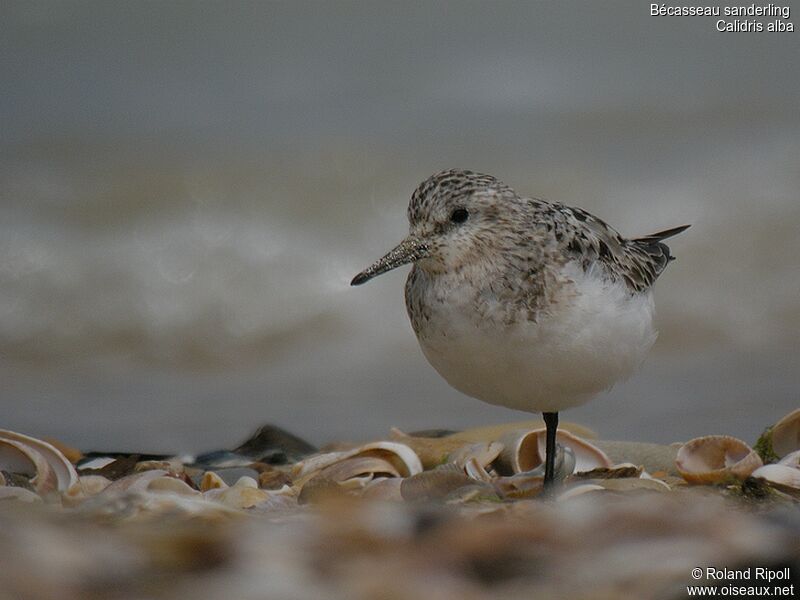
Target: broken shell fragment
{"points": [[59, 473], [435, 484], [211, 481], [783, 477], [580, 490], [526, 450], [172, 485], [87, 486], [19, 494], [786, 434], [620, 471], [653, 457], [432, 452], [387, 489], [716, 459], [392, 458], [791, 460], [243, 494], [18, 457]]}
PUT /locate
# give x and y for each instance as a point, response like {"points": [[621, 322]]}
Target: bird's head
{"points": [[454, 218]]}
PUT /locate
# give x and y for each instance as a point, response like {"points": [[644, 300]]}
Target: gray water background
{"points": [[186, 190]]}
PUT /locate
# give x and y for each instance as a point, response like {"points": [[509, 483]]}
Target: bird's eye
{"points": [[459, 215]]}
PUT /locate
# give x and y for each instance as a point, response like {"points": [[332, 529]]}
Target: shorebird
{"points": [[520, 302]]}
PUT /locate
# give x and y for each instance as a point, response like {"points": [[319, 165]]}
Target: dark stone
{"points": [[122, 466], [433, 433], [221, 459], [274, 446]]}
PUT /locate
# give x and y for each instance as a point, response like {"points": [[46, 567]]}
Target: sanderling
{"points": [[520, 302]]}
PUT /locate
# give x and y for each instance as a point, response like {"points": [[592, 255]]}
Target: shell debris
{"points": [[450, 515]]}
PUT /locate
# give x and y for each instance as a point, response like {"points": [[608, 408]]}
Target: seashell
{"points": [[18, 457], [273, 479], [786, 434], [73, 455], [580, 490], [475, 492], [134, 482], [525, 450], [791, 460], [403, 459], [19, 494], [631, 484], [243, 494], [780, 476], [172, 485], [521, 485], [620, 471], [481, 453], [87, 486], [653, 457], [475, 470], [65, 474], [97, 463], [435, 484], [173, 467], [434, 452], [211, 481], [386, 489], [716, 459], [359, 466]]}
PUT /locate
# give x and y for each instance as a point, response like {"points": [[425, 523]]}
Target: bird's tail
{"points": [[654, 238], [652, 243]]}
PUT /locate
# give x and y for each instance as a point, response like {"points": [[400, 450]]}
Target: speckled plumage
{"points": [[526, 303]]}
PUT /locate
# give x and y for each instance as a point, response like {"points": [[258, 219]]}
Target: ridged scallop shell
{"points": [[525, 450], [52, 470], [716, 459], [786, 434]]}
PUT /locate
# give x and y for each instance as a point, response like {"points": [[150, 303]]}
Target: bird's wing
{"points": [[591, 241]]}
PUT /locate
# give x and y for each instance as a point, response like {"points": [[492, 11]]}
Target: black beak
{"points": [[409, 250]]}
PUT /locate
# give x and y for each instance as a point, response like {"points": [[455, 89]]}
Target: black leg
{"points": [[551, 421]]}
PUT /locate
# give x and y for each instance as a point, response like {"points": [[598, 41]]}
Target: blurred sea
{"points": [[186, 190]]}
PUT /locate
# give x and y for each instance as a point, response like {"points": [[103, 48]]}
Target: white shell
{"points": [[791, 460], [404, 459], [786, 434], [19, 457], [525, 450], [781, 476], [716, 459], [65, 474]]}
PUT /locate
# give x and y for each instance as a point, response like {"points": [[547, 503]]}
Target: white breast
{"points": [[596, 334]]}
